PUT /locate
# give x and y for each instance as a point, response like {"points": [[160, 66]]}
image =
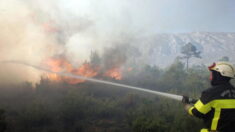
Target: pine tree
{"points": [[189, 51]]}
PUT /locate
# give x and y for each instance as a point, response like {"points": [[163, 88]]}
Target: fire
{"points": [[114, 73], [61, 64], [58, 65], [84, 70]]}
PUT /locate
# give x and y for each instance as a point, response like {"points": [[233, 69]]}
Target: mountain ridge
{"points": [[162, 49]]}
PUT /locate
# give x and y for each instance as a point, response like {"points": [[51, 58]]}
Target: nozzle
{"points": [[187, 100]]}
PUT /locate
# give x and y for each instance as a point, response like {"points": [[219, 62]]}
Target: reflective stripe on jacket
{"points": [[217, 108]]}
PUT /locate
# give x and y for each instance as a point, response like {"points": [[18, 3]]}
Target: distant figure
{"points": [[3, 125], [217, 104]]}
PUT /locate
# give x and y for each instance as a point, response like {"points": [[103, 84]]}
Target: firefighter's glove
{"points": [[185, 100]]}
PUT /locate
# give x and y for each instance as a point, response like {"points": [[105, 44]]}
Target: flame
{"points": [[84, 70], [58, 65], [62, 65], [114, 73]]}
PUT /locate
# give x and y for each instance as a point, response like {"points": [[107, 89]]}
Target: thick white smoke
{"points": [[22, 37], [33, 31]]}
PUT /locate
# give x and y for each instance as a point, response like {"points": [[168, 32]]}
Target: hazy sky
{"points": [[158, 15]]}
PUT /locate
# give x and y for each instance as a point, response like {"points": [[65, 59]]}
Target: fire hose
{"points": [[184, 99]]}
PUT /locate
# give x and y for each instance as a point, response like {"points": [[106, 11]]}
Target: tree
{"points": [[189, 51], [95, 59]]}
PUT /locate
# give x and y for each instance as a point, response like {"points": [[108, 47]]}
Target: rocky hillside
{"points": [[162, 49]]}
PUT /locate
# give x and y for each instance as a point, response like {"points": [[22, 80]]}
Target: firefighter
{"points": [[216, 105]]}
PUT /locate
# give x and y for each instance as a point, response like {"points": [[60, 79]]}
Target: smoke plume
{"points": [[33, 31], [22, 38]]}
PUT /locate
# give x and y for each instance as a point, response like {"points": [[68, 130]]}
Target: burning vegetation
{"points": [[63, 65], [87, 69], [114, 73], [111, 64]]}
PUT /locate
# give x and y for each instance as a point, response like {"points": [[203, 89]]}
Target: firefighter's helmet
{"points": [[224, 68]]}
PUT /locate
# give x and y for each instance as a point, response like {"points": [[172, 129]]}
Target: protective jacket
{"points": [[217, 107]]}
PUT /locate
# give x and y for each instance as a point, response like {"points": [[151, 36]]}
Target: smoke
{"points": [[22, 38], [33, 31]]}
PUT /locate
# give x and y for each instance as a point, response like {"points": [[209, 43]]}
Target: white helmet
{"points": [[224, 68]]}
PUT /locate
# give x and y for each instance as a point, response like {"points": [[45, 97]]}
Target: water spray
{"points": [[163, 94]]}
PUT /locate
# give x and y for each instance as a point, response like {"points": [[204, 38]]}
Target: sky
{"points": [[167, 16]]}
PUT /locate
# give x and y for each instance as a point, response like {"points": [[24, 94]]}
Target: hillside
{"points": [[161, 47]]}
